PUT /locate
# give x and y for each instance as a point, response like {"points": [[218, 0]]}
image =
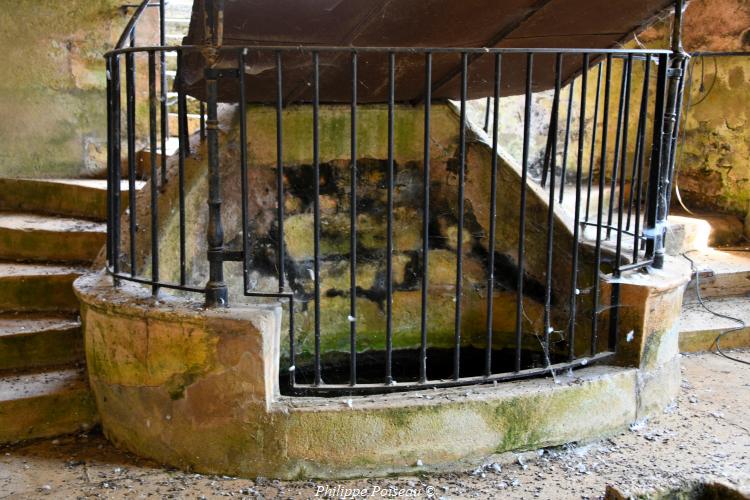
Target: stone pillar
{"points": [[648, 336]]}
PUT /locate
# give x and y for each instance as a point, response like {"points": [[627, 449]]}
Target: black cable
{"points": [[703, 304]]}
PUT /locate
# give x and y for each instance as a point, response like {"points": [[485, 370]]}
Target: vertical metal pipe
{"points": [[568, 119], [493, 213], [353, 230], [316, 209], [154, 177], [590, 180], [389, 229], [216, 289], [577, 217], [460, 209], [522, 210], [130, 125], [600, 207], [245, 191], [425, 216], [116, 163], [281, 258], [551, 206], [183, 149]]}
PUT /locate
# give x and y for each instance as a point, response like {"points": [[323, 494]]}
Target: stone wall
{"points": [[713, 168], [335, 200], [52, 92]]}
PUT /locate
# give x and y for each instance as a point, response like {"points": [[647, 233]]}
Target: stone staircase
{"points": [[722, 276], [50, 232]]}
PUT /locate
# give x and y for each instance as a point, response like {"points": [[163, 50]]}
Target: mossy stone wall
{"points": [[52, 90]]}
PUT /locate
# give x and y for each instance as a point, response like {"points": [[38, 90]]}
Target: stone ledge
{"points": [[196, 389]]}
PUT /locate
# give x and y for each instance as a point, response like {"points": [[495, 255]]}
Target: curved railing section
{"points": [[607, 162]]}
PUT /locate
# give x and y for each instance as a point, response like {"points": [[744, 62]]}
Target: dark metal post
{"points": [[216, 289], [674, 89]]}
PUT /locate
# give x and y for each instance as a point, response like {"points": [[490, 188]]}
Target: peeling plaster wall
{"points": [[52, 91]]}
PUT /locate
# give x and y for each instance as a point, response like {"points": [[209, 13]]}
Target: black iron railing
{"points": [[619, 227]]}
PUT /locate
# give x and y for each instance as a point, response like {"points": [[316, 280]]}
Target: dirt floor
{"points": [[703, 437]]}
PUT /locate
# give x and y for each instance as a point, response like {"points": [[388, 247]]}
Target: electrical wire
{"points": [[740, 322]]}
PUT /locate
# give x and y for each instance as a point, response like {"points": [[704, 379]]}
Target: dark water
{"points": [[371, 365]]}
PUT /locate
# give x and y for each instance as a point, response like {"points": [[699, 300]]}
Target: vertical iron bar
{"points": [[184, 148], [425, 216], [554, 119], [549, 161], [635, 176], [389, 229], [577, 217], [110, 162], [459, 237], [245, 190], [568, 119], [130, 125], [641, 160], [616, 159], [593, 141], [650, 230], [154, 177], [614, 318], [163, 87], [522, 210], [116, 163], [600, 207], [316, 209], [493, 213], [280, 172], [353, 231]]}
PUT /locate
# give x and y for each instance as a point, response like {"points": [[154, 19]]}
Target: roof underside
{"points": [[408, 23]]}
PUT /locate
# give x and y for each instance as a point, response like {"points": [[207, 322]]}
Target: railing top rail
{"points": [[397, 50], [132, 22]]}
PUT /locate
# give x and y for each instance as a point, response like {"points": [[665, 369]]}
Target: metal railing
{"points": [[635, 211]]}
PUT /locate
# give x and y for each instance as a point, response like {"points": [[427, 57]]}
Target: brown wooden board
{"points": [[584, 24]]}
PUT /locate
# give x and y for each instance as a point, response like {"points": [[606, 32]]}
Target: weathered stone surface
{"points": [[29, 287], [649, 314], [44, 404], [53, 99], [49, 239], [37, 340]]}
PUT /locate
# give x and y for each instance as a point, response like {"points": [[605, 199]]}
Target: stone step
{"points": [[36, 340], [45, 404], [723, 229], [721, 273], [193, 123], [38, 287], [32, 237], [699, 328], [81, 198]]}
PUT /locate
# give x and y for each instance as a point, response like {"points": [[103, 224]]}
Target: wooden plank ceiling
{"points": [[408, 23]]}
